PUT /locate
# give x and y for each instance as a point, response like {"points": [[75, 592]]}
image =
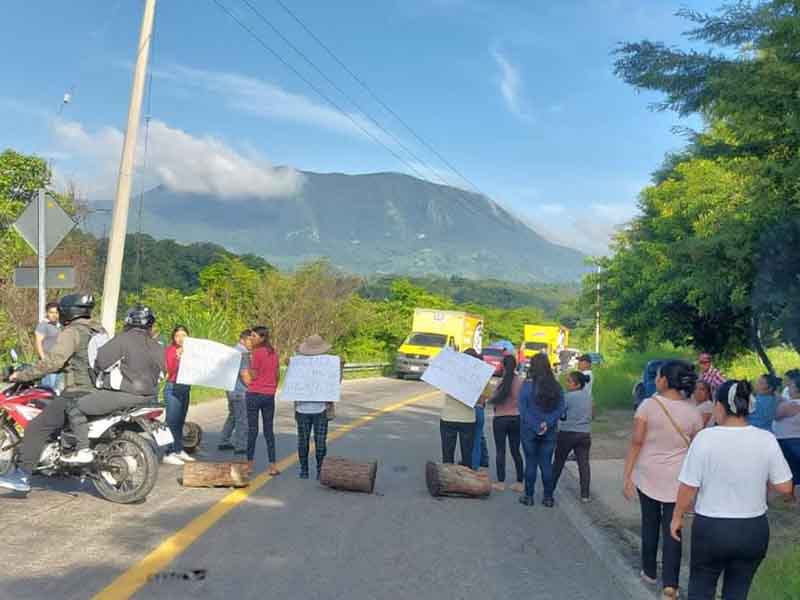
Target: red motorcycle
{"points": [[125, 468]]}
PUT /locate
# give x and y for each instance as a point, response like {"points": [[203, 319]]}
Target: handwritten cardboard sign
{"points": [[209, 364], [458, 374], [312, 379]]}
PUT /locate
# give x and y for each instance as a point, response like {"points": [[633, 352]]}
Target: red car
{"points": [[494, 356]]}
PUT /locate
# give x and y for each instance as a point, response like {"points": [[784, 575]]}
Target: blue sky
{"points": [[519, 95]]}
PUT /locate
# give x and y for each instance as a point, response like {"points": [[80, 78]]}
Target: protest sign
{"points": [[210, 364], [312, 379], [458, 374]]}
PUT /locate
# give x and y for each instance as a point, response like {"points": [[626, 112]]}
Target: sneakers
{"points": [[526, 500], [82, 457], [548, 502], [173, 459], [223, 447], [185, 457], [17, 481], [586, 499]]}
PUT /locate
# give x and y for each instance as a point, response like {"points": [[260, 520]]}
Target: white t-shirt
{"points": [[588, 386], [789, 427], [731, 466]]}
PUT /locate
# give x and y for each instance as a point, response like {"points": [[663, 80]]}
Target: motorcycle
{"points": [[125, 468]]}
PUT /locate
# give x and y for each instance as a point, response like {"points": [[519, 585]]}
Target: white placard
{"points": [[312, 379], [460, 375], [210, 364]]}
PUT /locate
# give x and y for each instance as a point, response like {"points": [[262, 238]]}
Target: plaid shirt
{"points": [[713, 378]]}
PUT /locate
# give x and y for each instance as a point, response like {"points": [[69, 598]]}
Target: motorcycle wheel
{"points": [[192, 436], [127, 468], [8, 449]]}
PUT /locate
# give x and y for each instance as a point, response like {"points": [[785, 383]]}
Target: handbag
{"points": [[685, 439]]}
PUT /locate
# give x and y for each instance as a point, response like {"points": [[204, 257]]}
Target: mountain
{"points": [[381, 223]]}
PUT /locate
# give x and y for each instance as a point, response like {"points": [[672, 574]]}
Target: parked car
{"points": [[647, 386]]}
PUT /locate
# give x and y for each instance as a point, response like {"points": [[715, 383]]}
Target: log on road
{"points": [[215, 474], [456, 480], [345, 474]]}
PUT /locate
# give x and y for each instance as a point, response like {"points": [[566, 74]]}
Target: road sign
{"points": [[58, 222], [55, 277]]}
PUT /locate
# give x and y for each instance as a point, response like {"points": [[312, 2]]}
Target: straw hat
{"points": [[314, 346]]}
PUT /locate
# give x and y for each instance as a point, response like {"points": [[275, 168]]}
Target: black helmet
{"points": [[75, 306], [140, 316]]}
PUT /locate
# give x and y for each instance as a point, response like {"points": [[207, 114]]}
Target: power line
{"points": [[330, 81], [316, 89], [377, 98]]}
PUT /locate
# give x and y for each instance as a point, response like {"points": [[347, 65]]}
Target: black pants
{"points": [[733, 546], [39, 430], [656, 520], [507, 427], [305, 423], [581, 443], [94, 404], [451, 432], [264, 404]]}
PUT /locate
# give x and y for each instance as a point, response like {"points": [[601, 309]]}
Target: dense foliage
{"points": [[709, 262]]}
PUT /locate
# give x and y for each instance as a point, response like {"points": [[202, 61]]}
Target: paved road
{"points": [[293, 539]]}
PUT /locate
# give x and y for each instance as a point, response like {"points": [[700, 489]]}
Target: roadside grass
{"points": [[779, 577], [749, 366]]}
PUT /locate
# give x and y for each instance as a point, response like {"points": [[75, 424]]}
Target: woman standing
{"points": [[262, 383], [725, 475], [541, 404], [702, 398], [767, 390], [663, 428], [176, 397], [575, 431], [505, 424], [787, 424]]}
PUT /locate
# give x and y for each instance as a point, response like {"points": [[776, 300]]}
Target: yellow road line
{"points": [[132, 580]]}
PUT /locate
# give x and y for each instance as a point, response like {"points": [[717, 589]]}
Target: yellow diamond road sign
{"points": [[57, 225]]}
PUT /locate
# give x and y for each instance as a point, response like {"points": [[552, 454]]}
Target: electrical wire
{"points": [[377, 98], [330, 81], [317, 90]]}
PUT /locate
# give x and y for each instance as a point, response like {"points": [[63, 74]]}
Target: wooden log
{"points": [[215, 474], [345, 474], [456, 480]]}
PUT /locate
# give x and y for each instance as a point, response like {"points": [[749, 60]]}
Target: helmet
{"points": [[75, 306], [140, 316]]}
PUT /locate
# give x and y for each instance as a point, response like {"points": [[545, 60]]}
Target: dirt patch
{"points": [[611, 434]]}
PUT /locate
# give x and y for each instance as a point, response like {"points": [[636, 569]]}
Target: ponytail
{"points": [[736, 397], [680, 375], [579, 379]]}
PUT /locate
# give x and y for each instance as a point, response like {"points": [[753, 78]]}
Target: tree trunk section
{"points": [[456, 480], [755, 336], [344, 474], [215, 474]]}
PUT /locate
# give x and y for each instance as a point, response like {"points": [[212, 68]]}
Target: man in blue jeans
{"points": [[235, 428]]}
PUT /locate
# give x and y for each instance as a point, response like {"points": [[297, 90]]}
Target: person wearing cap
{"points": [[709, 373], [312, 415]]}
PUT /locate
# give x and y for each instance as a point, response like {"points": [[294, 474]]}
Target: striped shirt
{"points": [[714, 379]]}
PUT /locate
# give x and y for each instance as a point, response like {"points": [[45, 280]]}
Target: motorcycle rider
{"points": [[70, 356], [129, 367]]}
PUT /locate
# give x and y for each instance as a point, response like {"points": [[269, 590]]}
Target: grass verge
{"points": [[779, 577]]}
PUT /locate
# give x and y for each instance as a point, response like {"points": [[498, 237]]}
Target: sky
{"points": [[518, 95]]}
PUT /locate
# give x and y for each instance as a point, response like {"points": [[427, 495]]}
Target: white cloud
{"points": [[552, 208], [177, 159], [510, 83]]}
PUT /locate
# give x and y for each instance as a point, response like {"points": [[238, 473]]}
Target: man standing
{"points": [[235, 428], [45, 338], [585, 367], [709, 374], [69, 354]]}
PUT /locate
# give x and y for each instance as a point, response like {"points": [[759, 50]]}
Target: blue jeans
{"points": [[176, 397], [53, 381], [791, 450], [538, 451], [235, 429], [478, 443]]}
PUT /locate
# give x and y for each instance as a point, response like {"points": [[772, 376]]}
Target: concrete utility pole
{"points": [[119, 219], [597, 315], [41, 211]]}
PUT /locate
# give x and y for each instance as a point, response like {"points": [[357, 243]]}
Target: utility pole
{"points": [[41, 211], [597, 315], [119, 219]]}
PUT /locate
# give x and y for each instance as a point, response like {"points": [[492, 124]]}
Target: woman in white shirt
{"points": [[725, 475], [786, 426]]}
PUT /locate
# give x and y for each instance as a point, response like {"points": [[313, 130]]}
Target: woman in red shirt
{"points": [[262, 383], [176, 397]]}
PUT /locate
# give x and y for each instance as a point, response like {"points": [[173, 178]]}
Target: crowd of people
{"points": [[714, 448]]}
